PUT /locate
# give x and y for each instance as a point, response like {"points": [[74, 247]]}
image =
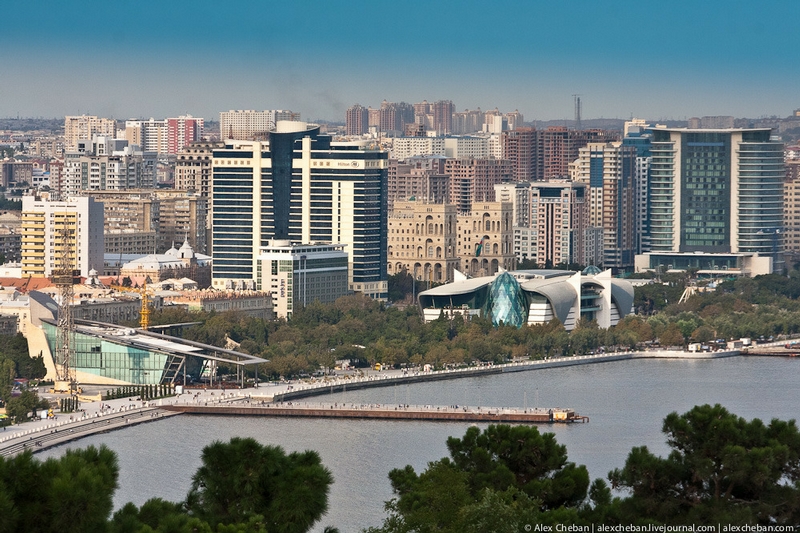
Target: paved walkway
{"points": [[97, 417]]}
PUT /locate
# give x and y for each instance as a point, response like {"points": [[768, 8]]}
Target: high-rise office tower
{"points": [[609, 169], [301, 187], [715, 192], [637, 135]]}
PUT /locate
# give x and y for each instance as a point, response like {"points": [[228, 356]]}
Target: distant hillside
{"points": [[54, 125]]}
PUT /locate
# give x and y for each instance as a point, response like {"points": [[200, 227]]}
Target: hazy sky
{"points": [[649, 59]]}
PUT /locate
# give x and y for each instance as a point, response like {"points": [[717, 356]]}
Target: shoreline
{"points": [[395, 377], [121, 413]]}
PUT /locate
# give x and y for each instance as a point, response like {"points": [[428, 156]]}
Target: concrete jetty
{"points": [[384, 412]]}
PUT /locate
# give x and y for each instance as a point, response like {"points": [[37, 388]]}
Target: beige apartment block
{"points": [[486, 239], [84, 127], [422, 241]]}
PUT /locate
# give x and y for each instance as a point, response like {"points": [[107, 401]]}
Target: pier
{"points": [[384, 412]]}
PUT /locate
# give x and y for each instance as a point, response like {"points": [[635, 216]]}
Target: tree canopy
{"points": [[69, 494], [495, 480], [243, 480], [723, 469], [241, 487]]}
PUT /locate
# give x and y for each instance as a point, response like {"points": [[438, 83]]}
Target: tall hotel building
{"points": [[716, 200], [304, 188]]}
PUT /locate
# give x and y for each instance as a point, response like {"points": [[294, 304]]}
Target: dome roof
{"points": [[591, 270], [172, 252], [186, 250]]}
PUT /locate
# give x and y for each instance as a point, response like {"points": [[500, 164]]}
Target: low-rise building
{"points": [[530, 297], [298, 274], [257, 304], [174, 263]]}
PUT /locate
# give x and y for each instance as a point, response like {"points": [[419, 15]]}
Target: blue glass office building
{"points": [[302, 187], [717, 191]]}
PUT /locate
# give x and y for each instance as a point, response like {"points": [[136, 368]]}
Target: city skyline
{"points": [[656, 61]]}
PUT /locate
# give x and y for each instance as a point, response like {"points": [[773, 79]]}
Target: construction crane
{"points": [[144, 313], [64, 279]]}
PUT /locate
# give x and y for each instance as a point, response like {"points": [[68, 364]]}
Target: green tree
{"points": [[243, 480], [15, 348], [722, 469], [508, 475], [69, 494], [672, 335], [20, 407]]}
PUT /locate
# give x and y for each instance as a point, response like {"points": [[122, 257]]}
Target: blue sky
{"points": [[654, 60]]}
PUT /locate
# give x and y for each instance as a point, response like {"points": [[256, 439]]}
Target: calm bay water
{"points": [[626, 402]]}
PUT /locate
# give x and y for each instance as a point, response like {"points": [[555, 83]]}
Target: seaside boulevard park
{"points": [[101, 416]]}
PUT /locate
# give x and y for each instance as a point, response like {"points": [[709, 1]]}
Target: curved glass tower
{"points": [[507, 302]]}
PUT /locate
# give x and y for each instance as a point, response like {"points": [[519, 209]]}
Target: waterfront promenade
{"points": [[98, 417], [372, 378]]}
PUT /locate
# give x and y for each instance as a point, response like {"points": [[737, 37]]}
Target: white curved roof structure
{"points": [[565, 295]]}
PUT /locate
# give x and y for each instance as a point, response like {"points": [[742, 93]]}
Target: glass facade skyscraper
{"points": [[717, 191], [301, 187]]}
